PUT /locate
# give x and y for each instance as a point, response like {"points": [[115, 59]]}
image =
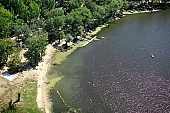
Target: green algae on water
{"points": [[54, 81]]}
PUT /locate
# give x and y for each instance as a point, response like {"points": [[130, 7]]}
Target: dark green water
{"points": [[117, 74]]}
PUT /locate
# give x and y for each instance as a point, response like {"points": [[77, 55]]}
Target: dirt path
{"points": [[42, 90]]}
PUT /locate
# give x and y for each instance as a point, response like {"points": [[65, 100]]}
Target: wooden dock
{"points": [[89, 41]]}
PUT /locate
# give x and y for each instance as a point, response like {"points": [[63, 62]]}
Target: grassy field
{"points": [[27, 104]]}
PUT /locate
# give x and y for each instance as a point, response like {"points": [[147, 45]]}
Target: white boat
{"points": [[152, 55]]}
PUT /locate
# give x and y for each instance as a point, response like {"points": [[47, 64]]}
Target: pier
{"points": [[89, 41]]}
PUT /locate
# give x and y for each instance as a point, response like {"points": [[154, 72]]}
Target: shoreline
{"points": [[139, 12]]}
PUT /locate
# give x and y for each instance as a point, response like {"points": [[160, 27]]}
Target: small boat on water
{"points": [[152, 55]]}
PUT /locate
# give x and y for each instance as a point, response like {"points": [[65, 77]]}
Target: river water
{"points": [[117, 74]]}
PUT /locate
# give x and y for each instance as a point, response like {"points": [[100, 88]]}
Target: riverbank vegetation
{"points": [[32, 24]]}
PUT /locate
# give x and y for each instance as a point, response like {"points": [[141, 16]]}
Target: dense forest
{"points": [[32, 24]]}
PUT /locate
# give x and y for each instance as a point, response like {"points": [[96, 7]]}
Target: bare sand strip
{"points": [[42, 89]]}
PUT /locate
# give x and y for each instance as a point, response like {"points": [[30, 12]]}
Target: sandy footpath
{"points": [[42, 88]]}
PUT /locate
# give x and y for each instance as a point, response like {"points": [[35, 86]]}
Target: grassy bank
{"points": [[61, 56], [93, 33], [27, 104]]}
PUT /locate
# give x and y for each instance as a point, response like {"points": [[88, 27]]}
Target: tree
{"points": [[85, 15], [59, 22], [90, 5], [73, 23], [29, 12], [6, 21], [54, 23], [15, 6], [132, 5], [15, 63], [23, 9], [36, 48], [98, 14], [68, 38], [54, 26], [38, 27], [78, 31], [70, 5], [46, 6], [22, 32], [54, 13], [125, 4], [112, 7], [34, 11], [49, 27], [23, 12], [7, 48], [60, 35], [101, 2], [40, 23]]}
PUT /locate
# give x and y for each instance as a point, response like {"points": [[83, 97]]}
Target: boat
{"points": [[152, 55]]}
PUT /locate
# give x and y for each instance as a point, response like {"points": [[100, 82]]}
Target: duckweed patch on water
{"points": [[54, 81]]}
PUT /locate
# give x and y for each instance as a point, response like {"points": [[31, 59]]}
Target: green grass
{"points": [[28, 98], [27, 102], [93, 33], [61, 56]]}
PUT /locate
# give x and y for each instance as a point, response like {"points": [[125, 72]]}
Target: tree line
{"points": [[35, 23]]}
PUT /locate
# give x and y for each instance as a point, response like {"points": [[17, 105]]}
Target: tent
{"points": [[8, 76]]}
